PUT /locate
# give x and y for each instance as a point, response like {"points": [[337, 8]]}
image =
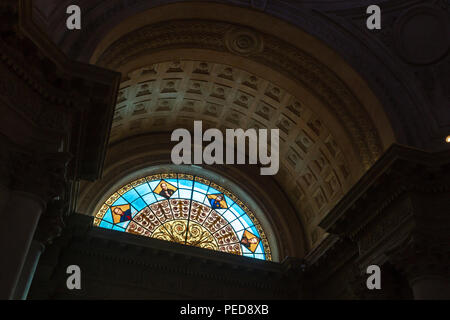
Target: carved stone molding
{"points": [[154, 265], [244, 42], [398, 214], [339, 24], [413, 47], [52, 103], [434, 28], [259, 4], [51, 223], [401, 172], [328, 257], [276, 54], [41, 175], [330, 270]]}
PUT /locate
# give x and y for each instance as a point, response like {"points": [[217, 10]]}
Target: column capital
{"points": [[51, 223], [41, 175], [421, 256]]}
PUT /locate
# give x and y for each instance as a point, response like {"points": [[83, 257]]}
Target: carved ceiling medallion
{"points": [[244, 42]]}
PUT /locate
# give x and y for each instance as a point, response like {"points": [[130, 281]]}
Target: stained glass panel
{"points": [[185, 209]]}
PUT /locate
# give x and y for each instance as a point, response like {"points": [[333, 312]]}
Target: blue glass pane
{"points": [[186, 184], [246, 221], [245, 250], [108, 216], [238, 210], [185, 194], [228, 215], [149, 198], [154, 184], [130, 195], [199, 197], [106, 225], [200, 187], [120, 201], [206, 201], [254, 231], [229, 201], [117, 228], [123, 225], [259, 249], [234, 211], [173, 182], [213, 191], [139, 204], [237, 225], [143, 189]]}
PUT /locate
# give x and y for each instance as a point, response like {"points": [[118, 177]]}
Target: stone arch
{"points": [[150, 153]]}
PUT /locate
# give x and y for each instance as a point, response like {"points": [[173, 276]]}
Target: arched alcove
{"points": [[150, 154], [178, 65]]}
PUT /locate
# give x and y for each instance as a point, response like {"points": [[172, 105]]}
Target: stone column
{"points": [[19, 220], [29, 268], [50, 227], [35, 179], [426, 265]]}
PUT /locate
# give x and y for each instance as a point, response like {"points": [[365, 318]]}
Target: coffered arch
{"points": [[169, 95], [231, 74]]}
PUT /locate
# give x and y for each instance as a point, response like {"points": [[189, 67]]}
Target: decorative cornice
{"points": [[244, 42], [397, 213], [319, 252], [423, 255], [334, 254], [51, 223], [399, 170], [406, 91], [19, 64], [89, 242], [60, 87], [42, 175]]}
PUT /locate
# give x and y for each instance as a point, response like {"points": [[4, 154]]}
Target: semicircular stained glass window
{"points": [[186, 209]]}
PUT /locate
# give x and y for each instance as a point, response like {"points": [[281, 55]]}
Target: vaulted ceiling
{"points": [[315, 172], [237, 68]]}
